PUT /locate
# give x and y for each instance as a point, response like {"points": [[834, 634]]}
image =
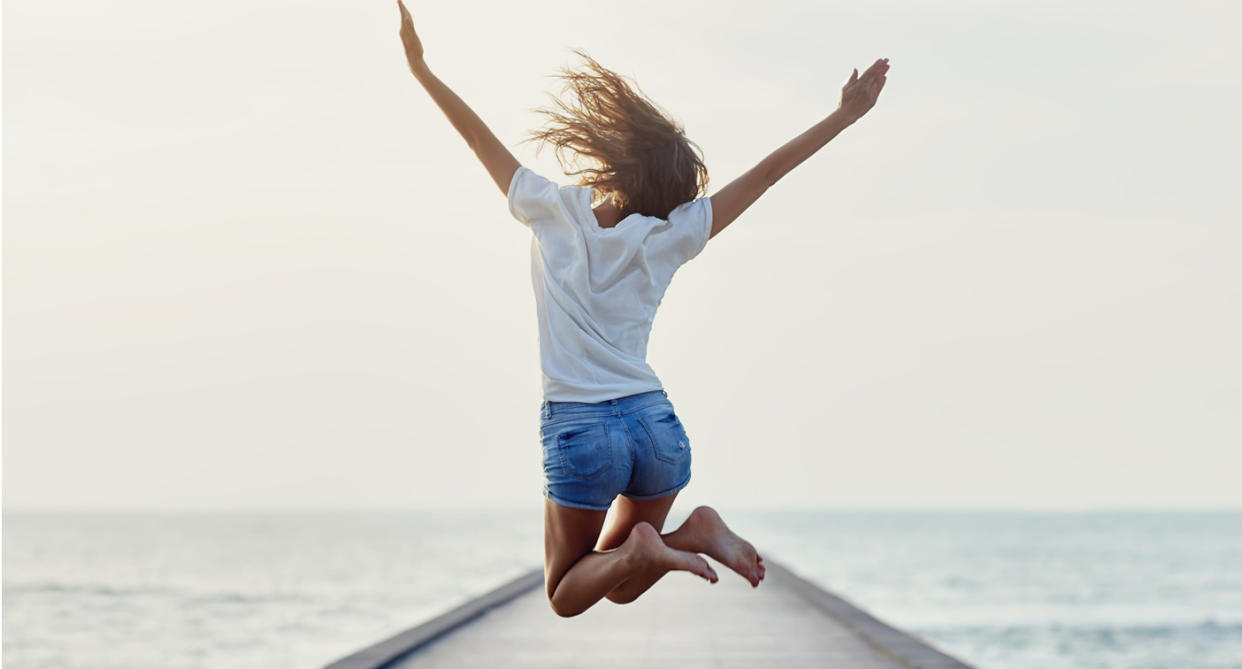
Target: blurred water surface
{"points": [[1026, 590], [296, 590]]}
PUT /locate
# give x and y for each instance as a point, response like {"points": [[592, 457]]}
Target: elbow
{"points": [[768, 178]]}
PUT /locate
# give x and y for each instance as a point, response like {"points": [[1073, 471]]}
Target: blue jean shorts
{"points": [[633, 446]]}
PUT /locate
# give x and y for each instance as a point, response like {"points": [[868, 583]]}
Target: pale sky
{"points": [[249, 263]]}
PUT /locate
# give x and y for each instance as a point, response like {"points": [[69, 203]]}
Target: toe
{"points": [[705, 570]]}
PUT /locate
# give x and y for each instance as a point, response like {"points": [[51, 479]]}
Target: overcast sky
{"points": [[248, 262]]}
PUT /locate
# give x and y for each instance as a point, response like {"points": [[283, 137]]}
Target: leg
{"points": [[703, 532], [630, 512], [578, 577]]}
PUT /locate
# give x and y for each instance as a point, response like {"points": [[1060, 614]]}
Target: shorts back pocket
{"points": [[585, 450], [668, 436]]}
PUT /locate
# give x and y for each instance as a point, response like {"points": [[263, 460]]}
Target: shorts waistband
{"points": [[614, 407]]}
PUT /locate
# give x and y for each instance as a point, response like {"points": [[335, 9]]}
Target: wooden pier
{"points": [[682, 623]]}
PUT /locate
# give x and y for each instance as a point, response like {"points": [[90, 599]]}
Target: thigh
{"points": [[568, 534], [629, 512]]}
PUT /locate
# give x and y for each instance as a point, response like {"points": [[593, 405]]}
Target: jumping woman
{"points": [[602, 255]]}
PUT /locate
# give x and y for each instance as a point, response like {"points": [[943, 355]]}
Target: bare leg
{"points": [[578, 577], [628, 513], [703, 532]]}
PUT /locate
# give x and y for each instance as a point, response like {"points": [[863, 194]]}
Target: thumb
{"points": [[854, 76]]}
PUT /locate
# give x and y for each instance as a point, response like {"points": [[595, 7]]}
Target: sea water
{"points": [[1033, 590], [297, 590]]}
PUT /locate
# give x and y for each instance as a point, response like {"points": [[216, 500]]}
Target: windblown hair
{"points": [[623, 145]]}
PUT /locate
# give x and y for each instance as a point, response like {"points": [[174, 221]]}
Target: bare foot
{"points": [[707, 533], [647, 547]]}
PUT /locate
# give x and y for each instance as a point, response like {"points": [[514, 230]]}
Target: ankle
{"points": [[689, 537]]}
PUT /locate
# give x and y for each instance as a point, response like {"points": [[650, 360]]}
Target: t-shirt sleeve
{"points": [[532, 197], [690, 229]]}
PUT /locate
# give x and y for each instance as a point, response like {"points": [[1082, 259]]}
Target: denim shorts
{"points": [[633, 446]]}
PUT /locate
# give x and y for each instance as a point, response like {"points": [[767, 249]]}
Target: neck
{"points": [[607, 214]]}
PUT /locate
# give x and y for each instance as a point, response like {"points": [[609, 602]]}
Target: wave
{"points": [[188, 596]]}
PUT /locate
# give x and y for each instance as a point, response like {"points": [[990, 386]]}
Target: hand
{"points": [[859, 94], [409, 38]]}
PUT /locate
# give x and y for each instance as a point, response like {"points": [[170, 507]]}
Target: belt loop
{"points": [[545, 409]]}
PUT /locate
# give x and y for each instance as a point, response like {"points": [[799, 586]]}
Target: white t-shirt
{"points": [[597, 289]]}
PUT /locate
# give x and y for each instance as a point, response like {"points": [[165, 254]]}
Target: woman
{"points": [[603, 255]]}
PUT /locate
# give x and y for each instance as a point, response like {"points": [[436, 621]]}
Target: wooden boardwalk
{"points": [[682, 622]]}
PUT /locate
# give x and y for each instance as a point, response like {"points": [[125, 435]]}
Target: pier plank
{"points": [[682, 622]]}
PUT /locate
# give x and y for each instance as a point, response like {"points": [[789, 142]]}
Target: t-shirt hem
{"points": [[707, 224], [598, 395], [513, 190]]}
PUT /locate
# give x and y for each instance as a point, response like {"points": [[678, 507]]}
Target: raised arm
{"points": [[858, 96], [499, 162]]}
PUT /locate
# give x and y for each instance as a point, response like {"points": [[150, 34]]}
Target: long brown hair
{"points": [[623, 144]]}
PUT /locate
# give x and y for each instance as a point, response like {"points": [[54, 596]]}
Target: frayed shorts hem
{"points": [[575, 505], [666, 493], [594, 507]]}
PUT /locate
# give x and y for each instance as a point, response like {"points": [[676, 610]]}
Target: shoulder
{"points": [[694, 218], [685, 233], [534, 197]]}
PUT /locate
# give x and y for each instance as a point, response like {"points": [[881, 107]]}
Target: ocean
{"points": [[296, 590]]}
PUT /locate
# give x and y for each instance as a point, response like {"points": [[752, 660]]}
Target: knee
{"points": [[620, 598], [560, 609]]}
